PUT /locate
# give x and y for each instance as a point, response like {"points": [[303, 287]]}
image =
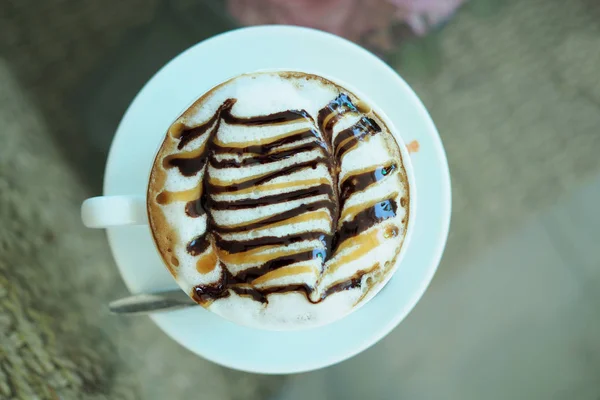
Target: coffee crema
{"points": [[279, 200]]}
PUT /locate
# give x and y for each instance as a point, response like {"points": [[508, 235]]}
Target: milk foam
{"points": [[258, 95]]}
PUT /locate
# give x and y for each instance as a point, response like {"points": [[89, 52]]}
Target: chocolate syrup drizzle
{"points": [[332, 151]]}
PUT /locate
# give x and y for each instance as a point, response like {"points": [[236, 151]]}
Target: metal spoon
{"points": [[146, 303]]}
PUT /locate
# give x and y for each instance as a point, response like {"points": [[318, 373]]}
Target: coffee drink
{"points": [[279, 200]]}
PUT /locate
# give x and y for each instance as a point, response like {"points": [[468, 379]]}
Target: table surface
{"points": [[515, 93]]}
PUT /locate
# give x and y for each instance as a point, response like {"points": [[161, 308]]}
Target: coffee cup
{"points": [[280, 200]]}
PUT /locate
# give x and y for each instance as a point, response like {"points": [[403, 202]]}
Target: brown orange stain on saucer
{"points": [[413, 146]]}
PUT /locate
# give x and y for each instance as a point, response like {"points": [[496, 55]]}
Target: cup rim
{"points": [[405, 160]]}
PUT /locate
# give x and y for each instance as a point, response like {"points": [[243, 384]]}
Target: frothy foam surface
{"points": [[279, 200]]}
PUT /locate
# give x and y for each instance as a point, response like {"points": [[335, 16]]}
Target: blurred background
{"points": [[514, 89]]}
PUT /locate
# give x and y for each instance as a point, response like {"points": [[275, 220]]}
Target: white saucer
{"points": [[213, 61]]}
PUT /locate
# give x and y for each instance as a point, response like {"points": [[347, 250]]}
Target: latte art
{"points": [[279, 200]]}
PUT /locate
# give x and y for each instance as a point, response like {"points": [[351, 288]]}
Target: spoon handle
{"points": [[146, 303]]}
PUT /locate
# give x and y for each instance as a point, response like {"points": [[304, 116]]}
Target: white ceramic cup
{"points": [[112, 211]]}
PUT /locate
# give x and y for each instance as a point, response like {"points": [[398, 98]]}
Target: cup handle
{"points": [[108, 211]]}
